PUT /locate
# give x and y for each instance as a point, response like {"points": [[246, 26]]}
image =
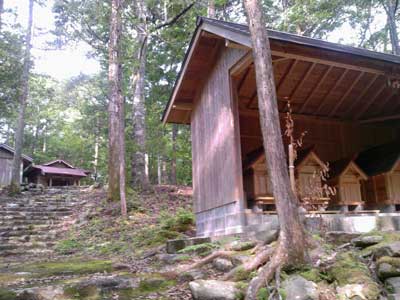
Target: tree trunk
{"points": [[1, 11], [116, 159], [292, 234], [211, 9], [172, 176], [139, 175], [19, 133], [96, 150], [391, 9]]}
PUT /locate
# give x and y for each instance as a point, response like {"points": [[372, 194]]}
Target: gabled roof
{"points": [[340, 167], [286, 45], [57, 171], [380, 159], [305, 154], [59, 161], [12, 151]]}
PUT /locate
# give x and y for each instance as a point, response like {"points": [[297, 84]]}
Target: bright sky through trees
{"points": [[60, 64]]}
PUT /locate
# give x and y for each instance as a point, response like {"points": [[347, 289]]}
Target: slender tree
{"points": [[24, 91], [116, 162], [211, 9], [139, 175], [1, 11], [291, 248], [391, 8]]}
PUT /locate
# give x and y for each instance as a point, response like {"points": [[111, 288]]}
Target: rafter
{"points": [[251, 99], [355, 82], [287, 73], [362, 95], [380, 119], [244, 78], [316, 87], [301, 82], [386, 101], [333, 88], [369, 103]]}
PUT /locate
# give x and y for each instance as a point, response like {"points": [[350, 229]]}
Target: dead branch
{"points": [[176, 17]]}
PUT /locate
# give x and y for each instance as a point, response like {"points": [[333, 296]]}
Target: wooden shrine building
{"points": [[6, 159], [346, 99], [55, 173], [382, 164]]}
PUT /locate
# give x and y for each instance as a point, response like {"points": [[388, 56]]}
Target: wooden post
{"points": [[291, 168], [50, 182]]}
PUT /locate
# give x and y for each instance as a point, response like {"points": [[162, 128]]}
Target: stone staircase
{"points": [[31, 223]]}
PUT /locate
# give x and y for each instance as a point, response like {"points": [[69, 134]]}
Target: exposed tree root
{"points": [[267, 272], [207, 259], [252, 264]]}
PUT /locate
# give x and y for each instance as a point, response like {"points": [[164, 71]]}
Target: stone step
{"points": [[33, 232], [26, 246], [35, 213], [42, 237], [26, 252], [19, 222]]}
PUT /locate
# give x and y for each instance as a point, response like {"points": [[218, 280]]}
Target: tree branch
{"points": [[174, 19]]}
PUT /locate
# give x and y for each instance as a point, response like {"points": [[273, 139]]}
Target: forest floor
{"points": [[101, 256]]}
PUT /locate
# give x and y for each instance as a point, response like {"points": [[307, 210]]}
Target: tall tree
{"points": [[391, 8], [211, 9], [291, 248], [19, 133], [139, 175], [116, 159], [1, 11]]}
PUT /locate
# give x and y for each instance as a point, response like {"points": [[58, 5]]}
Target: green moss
{"points": [[242, 275], [263, 294], [200, 249], [82, 292], [68, 267], [393, 261], [68, 246], [349, 270], [7, 294], [313, 274], [388, 237]]}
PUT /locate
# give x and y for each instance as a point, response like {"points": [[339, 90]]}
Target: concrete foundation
{"points": [[228, 221], [223, 220]]}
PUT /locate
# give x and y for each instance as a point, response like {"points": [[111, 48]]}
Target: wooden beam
{"points": [[286, 74], [327, 62], [333, 88], [380, 119], [369, 103], [341, 100], [211, 35], [386, 101], [280, 60], [252, 98], [230, 44], [255, 113], [183, 106], [243, 79], [241, 64], [301, 82], [316, 87], [362, 95]]}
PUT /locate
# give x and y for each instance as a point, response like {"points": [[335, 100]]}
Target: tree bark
{"points": [[292, 234], [1, 11], [116, 159], [211, 9], [19, 133], [140, 178], [172, 177], [391, 7]]}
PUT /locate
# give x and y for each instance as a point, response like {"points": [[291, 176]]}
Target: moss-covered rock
{"points": [[7, 294], [79, 267], [349, 270], [388, 267]]}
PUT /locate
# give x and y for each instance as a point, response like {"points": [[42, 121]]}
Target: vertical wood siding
{"points": [[216, 159]]}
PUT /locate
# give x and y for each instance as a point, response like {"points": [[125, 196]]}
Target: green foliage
{"points": [[180, 222], [263, 294], [7, 294], [68, 246], [200, 249]]}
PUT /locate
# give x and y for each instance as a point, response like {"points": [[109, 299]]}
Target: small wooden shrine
{"points": [[309, 183], [382, 165], [256, 182], [346, 177]]}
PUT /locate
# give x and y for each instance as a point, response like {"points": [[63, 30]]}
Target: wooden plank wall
{"points": [[217, 178], [5, 167]]}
